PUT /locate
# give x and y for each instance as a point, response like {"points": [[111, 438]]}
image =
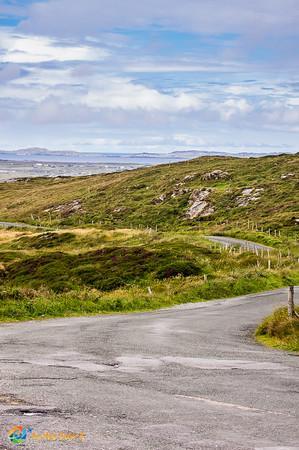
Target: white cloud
{"points": [[39, 76], [232, 107], [65, 95], [189, 140], [53, 110], [123, 94], [241, 90], [57, 69], [179, 66], [280, 112], [21, 48], [253, 17], [293, 101], [9, 72]]}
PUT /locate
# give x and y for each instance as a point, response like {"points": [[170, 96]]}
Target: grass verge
{"points": [[94, 271], [22, 303], [279, 331]]}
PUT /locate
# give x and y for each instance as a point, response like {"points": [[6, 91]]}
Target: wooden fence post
{"points": [[149, 290], [291, 304]]}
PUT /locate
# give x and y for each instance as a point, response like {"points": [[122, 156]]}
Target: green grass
{"points": [[107, 239], [43, 240], [279, 331], [127, 199], [90, 271], [20, 303]]}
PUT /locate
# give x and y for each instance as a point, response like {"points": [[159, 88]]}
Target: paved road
{"points": [[223, 240], [190, 377], [15, 225], [232, 242]]}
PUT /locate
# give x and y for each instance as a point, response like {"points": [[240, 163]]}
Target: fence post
{"points": [[291, 305]]}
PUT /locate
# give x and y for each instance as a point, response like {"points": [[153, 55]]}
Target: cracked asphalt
{"points": [[191, 377]]}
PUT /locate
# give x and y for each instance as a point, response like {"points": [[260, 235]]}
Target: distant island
{"points": [[44, 154]]}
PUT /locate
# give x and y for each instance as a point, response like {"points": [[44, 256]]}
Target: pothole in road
{"points": [[111, 364], [34, 412]]}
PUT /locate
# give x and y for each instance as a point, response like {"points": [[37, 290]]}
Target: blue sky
{"points": [[156, 76]]}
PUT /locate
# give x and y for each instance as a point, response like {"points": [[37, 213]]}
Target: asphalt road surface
{"points": [[232, 242], [222, 240], [15, 225], [191, 377]]}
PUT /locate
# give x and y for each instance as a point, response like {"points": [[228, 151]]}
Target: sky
{"points": [[150, 76]]}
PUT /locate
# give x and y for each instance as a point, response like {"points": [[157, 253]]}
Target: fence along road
{"points": [[232, 242]]}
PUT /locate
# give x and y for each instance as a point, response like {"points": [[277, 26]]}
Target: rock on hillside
{"points": [[249, 195], [199, 205], [178, 191], [215, 175], [66, 209]]}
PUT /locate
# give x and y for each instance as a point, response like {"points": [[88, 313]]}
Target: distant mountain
{"points": [[42, 151], [38, 154], [35, 151]]}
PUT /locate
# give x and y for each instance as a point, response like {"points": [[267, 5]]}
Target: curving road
{"points": [[16, 225], [222, 240], [190, 377], [233, 242]]}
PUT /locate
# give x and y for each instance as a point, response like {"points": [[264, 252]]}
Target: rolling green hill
{"points": [[136, 240], [230, 191]]}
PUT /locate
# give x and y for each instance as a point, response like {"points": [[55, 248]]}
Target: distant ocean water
{"points": [[11, 170], [26, 165], [37, 162]]}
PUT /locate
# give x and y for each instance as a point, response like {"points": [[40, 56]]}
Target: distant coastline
{"points": [[38, 162]]}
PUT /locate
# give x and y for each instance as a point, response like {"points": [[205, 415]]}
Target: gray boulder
{"points": [[199, 205], [215, 175]]}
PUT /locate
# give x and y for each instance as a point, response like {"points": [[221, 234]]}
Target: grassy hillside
{"points": [[259, 190], [79, 271], [135, 240]]}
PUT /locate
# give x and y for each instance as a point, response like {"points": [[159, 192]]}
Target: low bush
{"points": [[44, 240]]}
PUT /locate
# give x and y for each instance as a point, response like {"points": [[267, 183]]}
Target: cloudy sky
{"points": [[154, 76]]}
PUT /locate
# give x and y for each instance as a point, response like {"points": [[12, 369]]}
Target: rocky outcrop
{"points": [[190, 177], [199, 205], [178, 191], [66, 209], [249, 195], [215, 175]]}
